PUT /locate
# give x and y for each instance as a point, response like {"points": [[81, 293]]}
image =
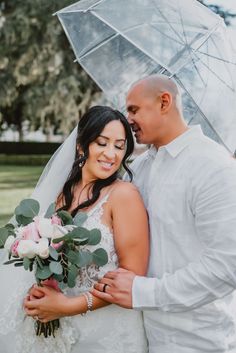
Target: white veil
{"points": [[56, 172], [16, 281]]}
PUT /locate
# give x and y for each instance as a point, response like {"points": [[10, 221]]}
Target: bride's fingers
{"points": [[37, 292], [31, 313], [102, 295]]}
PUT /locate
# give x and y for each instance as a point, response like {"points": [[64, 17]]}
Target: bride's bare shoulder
{"points": [[124, 190]]}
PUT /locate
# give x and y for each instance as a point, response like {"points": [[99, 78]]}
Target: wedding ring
{"points": [[104, 288]]}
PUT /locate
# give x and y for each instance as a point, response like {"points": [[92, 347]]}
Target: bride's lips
{"points": [[106, 165]]}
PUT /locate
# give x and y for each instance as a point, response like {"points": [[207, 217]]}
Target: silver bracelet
{"points": [[89, 299]]}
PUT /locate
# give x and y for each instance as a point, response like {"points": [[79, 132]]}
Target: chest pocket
{"points": [[169, 202]]}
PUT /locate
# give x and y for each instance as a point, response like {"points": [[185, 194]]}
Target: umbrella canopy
{"points": [[121, 41]]}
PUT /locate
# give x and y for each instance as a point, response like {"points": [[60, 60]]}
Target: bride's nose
{"points": [[109, 153]]}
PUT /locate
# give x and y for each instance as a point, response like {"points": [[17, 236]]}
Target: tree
{"points": [[219, 10], [40, 83]]}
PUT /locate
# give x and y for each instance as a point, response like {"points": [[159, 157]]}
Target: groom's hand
{"points": [[116, 287]]}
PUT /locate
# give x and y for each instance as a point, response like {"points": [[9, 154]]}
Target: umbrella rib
{"points": [[215, 74], [74, 10], [95, 47], [196, 49], [125, 37], [189, 48], [164, 34], [166, 19], [217, 58], [202, 114], [92, 6]]}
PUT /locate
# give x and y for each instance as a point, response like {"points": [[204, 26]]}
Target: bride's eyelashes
{"points": [[104, 144]]}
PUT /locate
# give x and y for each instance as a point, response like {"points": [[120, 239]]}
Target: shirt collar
{"points": [[181, 142]]}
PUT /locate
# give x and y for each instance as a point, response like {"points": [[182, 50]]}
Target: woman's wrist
{"points": [[75, 306]]}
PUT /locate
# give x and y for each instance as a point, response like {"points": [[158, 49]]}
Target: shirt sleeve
{"points": [[213, 275]]}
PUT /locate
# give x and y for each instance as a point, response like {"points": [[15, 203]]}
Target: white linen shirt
{"points": [[189, 190]]}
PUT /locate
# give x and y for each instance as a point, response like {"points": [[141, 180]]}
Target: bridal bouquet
{"points": [[53, 246]]}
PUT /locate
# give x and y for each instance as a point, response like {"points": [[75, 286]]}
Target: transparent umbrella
{"points": [[120, 41]]}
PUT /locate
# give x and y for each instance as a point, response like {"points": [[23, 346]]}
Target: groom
{"points": [[188, 183]]}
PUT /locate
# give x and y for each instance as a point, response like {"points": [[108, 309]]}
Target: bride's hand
{"points": [[34, 293], [52, 304]]}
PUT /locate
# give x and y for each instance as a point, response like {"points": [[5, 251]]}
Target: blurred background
{"points": [[43, 93]]}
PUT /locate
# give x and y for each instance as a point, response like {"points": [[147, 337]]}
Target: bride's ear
{"points": [[79, 150]]}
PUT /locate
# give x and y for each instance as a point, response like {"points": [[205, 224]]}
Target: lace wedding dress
{"points": [[106, 330]]}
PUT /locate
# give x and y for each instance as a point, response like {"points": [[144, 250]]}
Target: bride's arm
{"points": [[130, 227]]}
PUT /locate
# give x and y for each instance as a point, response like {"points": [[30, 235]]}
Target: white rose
{"points": [[8, 243], [58, 231], [27, 248], [45, 227], [43, 248], [19, 232]]}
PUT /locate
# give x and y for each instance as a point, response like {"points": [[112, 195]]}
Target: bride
{"points": [[102, 145]]}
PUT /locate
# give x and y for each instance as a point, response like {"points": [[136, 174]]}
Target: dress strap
{"points": [[100, 203]]}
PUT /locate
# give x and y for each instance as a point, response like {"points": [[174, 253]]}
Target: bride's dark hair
{"points": [[89, 128]]}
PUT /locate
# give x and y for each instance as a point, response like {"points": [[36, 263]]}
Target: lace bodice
{"points": [[89, 275], [102, 330]]}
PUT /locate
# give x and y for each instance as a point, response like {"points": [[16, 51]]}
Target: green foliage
{"points": [[29, 208], [80, 218], [3, 236], [41, 83], [65, 217], [51, 210]]}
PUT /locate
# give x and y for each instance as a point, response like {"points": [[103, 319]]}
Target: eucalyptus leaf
{"points": [[94, 237], [80, 218], [22, 220], [51, 210], [43, 273], [28, 208], [71, 283], [53, 253], [3, 236], [56, 267], [9, 226], [18, 264], [73, 257], [85, 258], [100, 257], [72, 272], [65, 217], [63, 238], [72, 275], [58, 278], [80, 232], [39, 261], [26, 263], [62, 285]]}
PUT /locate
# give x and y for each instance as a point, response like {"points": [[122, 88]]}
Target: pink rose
{"points": [[56, 220], [14, 246], [56, 245], [30, 232]]}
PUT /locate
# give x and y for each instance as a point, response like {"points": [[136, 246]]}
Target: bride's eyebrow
{"points": [[107, 138]]}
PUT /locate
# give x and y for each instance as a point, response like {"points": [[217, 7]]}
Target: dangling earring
{"points": [[81, 160]]}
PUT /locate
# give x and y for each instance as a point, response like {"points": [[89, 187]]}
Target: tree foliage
{"points": [[219, 10], [39, 81]]}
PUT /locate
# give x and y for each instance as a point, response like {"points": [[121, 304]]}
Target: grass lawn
{"points": [[16, 183]]}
